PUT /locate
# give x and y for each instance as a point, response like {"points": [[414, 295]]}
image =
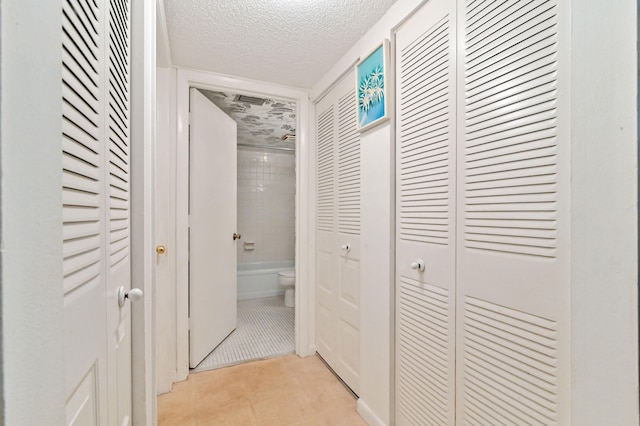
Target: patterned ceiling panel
{"points": [[259, 125]]}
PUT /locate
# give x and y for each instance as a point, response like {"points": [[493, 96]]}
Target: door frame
{"points": [[304, 205], [143, 132]]}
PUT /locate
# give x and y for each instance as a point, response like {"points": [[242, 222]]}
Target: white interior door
{"points": [[212, 226], [326, 262], [513, 300], [426, 211], [338, 233], [96, 248]]}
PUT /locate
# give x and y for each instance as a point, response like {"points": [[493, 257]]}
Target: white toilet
{"points": [[287, 280]]}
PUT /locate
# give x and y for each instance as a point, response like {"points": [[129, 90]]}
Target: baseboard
{"points": [[368, 415], [312, 349], [259, 294]]}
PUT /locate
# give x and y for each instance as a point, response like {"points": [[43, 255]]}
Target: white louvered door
{"points": [[426, 187], [513, 169], [338, 233], [96, 171], [482, 193], [326, 262]]}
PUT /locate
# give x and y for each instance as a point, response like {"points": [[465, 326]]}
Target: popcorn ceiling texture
{"points": [[290, 42]]}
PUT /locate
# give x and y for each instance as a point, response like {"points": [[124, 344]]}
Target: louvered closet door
{"points": [[326, 261], [338, 233], [513, 174], [95, 149], [425, 230]]}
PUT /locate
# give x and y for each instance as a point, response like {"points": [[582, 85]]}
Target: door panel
{"points": [[326, 289], [497, 274], [348, 312], [326, 261], [95, 149], [337, 233], [81, 406], [213, 220], [513, 297], [425, 229], [118, 179]]}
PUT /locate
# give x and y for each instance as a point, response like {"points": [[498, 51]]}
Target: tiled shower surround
{"points": [[266, 204]]}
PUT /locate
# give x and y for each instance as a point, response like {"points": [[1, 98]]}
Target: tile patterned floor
{"points": [[265, 330], [283, 391]]}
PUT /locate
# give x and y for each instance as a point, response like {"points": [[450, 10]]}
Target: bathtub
{"points": [[260, 279]]}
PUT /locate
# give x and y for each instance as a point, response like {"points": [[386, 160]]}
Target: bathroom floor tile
{"points": [[265, 329], [283, 391]]}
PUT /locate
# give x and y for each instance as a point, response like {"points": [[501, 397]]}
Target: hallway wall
{"points": [[31, 321]]}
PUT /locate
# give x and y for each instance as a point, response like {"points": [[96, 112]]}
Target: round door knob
{"points": [[236, 236], [346, 247], [418, 265], [134, 295], [161, 249]]}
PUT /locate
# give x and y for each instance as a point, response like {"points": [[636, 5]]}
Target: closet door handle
{"points": [[418, 265], [346, 247], [134, 295], [236, 236]]}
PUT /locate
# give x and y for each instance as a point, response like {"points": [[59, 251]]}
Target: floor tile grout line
{"points": [[265, 330]]}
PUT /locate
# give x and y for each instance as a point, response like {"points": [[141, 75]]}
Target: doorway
{"points": [[304, 341], [265, 179]]}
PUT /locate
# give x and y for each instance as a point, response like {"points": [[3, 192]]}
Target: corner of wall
{"points": [[368, 415], [163, 45]]}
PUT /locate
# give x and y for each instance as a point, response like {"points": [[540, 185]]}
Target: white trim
{"points": [[368, 415], [143, 117], [165, 283], [304, 261]]}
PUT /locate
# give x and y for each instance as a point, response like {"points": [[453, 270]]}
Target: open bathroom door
{"points": [[212, 227]]}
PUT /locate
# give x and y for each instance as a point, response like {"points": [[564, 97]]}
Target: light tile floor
{"points": [[280, 391], [265, 330]]}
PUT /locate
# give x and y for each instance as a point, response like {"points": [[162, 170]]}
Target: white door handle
{"points": [[346, 247], [134, 295], [418, 265]]}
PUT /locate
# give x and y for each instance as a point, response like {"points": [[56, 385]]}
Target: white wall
{"points": [[31, 220], [604, 200], [266, 205]]}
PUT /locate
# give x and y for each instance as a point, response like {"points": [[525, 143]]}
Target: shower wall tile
{"points": [[266, 205]]}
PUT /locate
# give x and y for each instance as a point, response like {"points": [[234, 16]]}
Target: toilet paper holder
{"points": [[249, 245]]}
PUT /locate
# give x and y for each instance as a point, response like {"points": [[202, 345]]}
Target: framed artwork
{"points": [[371, 87]]}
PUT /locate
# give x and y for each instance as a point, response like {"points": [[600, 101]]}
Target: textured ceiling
{"points": [[291, 42], [259, 125]]}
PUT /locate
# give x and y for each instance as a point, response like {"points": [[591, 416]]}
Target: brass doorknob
{"points": [[236, 236], [161, 250]]}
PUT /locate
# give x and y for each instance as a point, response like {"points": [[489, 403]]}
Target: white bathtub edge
{"points": [[258, 294]]}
